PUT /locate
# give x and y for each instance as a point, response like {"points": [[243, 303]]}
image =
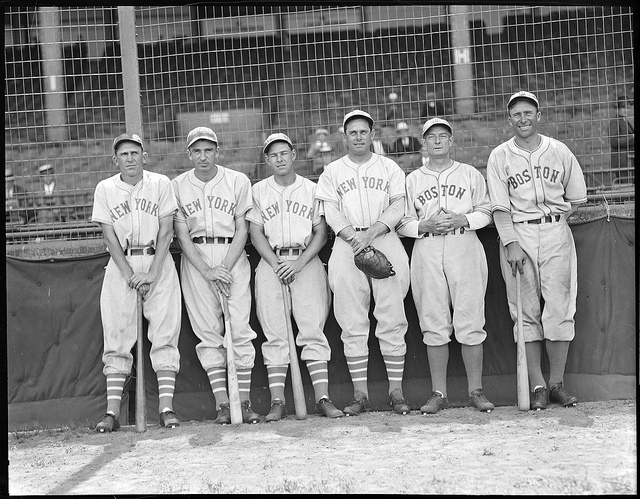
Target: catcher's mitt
{"points": [[374, 263]]}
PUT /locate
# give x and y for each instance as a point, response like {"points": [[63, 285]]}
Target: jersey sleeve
{"points": [[497, 181], [396, 181], [408, 225], [575, 187], [326, 190], [166, 198], [179, 214], [254, 214], [100, 213], [481, 215], [243, 195]]}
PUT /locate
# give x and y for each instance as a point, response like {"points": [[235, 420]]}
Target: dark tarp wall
{"points": [[54, 340]]}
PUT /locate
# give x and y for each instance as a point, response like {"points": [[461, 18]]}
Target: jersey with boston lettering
{"points": [[534, 184], [287, 213], [134, 211], [210, 208], [460, 189], [363, 192]]}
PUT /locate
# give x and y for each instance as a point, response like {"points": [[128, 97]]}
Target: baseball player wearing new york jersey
{"points": [[211, 227], [288, 230], [363, 195], [446, 203], [535, 183], [135, 209]]}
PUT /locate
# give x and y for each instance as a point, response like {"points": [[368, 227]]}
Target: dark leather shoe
{"points": [[539, 399], [325, 407], [558, 395], [435, 403], [224, 414], [480, 402], [398, 402], [108, 424], [168, 419], [277, 412], [248, 416], [358, 404]]}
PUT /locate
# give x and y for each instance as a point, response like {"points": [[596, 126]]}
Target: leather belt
{"points": [[361, 229], [289, 251], [212, 240], [148, 250], [460, 231], [544, 220]]}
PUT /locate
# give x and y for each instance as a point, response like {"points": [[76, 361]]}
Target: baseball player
{"points": [[535, 183], [211, 227], [446, 203], [363, 195], [135, 209], [288, 230]]}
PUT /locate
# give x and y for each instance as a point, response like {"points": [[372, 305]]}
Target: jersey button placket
{"points": [[286, 220], [135, 219]]}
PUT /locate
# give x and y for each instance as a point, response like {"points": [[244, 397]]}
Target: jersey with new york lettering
{"points": [[534, 184], [210, 208], [461, 189], [134, 211], [286, 213], [363, 192]]}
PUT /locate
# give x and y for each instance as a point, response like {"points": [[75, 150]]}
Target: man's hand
{"points": [[287, 270], [516, 257], [221, 278], [360, 241], [139, 279]]}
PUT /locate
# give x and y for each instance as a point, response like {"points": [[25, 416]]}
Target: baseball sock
{"points": [[319, 373], [218, 381], [395, 370], [472, 357], [115, 385], [358, 371], [166, 388], [557, 352], [534, 360], [277, 376], [244, 384], [438, 361]]}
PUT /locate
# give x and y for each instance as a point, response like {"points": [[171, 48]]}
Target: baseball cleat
{"points": [[436, 402], [359, 404], [248, 416], [277, 411], [325, 407], [558, 395], [480, 402], [168, 419], [539, 398], [108, 424], [398, 403], [224, 414]]}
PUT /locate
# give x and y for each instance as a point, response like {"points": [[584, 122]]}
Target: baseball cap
{"points": [[45, 168], [8, 174], [201, 133], [402, 126], [127, 137], [433, 122], [357, 114], [275, 137], [523, 94]]}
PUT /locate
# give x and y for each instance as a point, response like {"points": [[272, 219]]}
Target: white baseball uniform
{"points": [[287, 215], [450, 269], [537, 188], [135, 213], [209, 209], [362, 194]]}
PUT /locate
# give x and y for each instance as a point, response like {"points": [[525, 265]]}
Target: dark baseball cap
{"points": [[522, 95], [201, 133], [357, 114], [127, 137], [276, 137]]}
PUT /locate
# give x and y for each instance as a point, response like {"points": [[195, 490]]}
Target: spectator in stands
{"points": [[621, 136], [432, 107], [320, 150], [377, 145], [405, 143], [15, 200], [47, 201]]}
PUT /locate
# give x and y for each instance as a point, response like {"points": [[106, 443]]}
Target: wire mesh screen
{"points": [[248, 71]]}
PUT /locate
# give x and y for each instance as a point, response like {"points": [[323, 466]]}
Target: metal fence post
{"points": [[130, 69]]}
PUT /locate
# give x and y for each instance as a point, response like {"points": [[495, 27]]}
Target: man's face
{"points": [[280, 158], [131, 160], [438, 141], [203, 154], [358, 136], [524, 118]]}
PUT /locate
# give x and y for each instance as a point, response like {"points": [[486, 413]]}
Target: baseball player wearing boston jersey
{"points": [[211, 227], [135, 209], [363, 195], [288, 230], [446, 203], [535, 183]]}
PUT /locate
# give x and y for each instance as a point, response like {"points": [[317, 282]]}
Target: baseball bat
{"points": [[141, 403], [232, 374], [522, 371], [296, 378]]}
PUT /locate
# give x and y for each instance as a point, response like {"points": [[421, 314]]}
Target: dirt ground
{"points": [[589, 449]]}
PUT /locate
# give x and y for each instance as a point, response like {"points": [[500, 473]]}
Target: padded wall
{"points": [[54, 340]]}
